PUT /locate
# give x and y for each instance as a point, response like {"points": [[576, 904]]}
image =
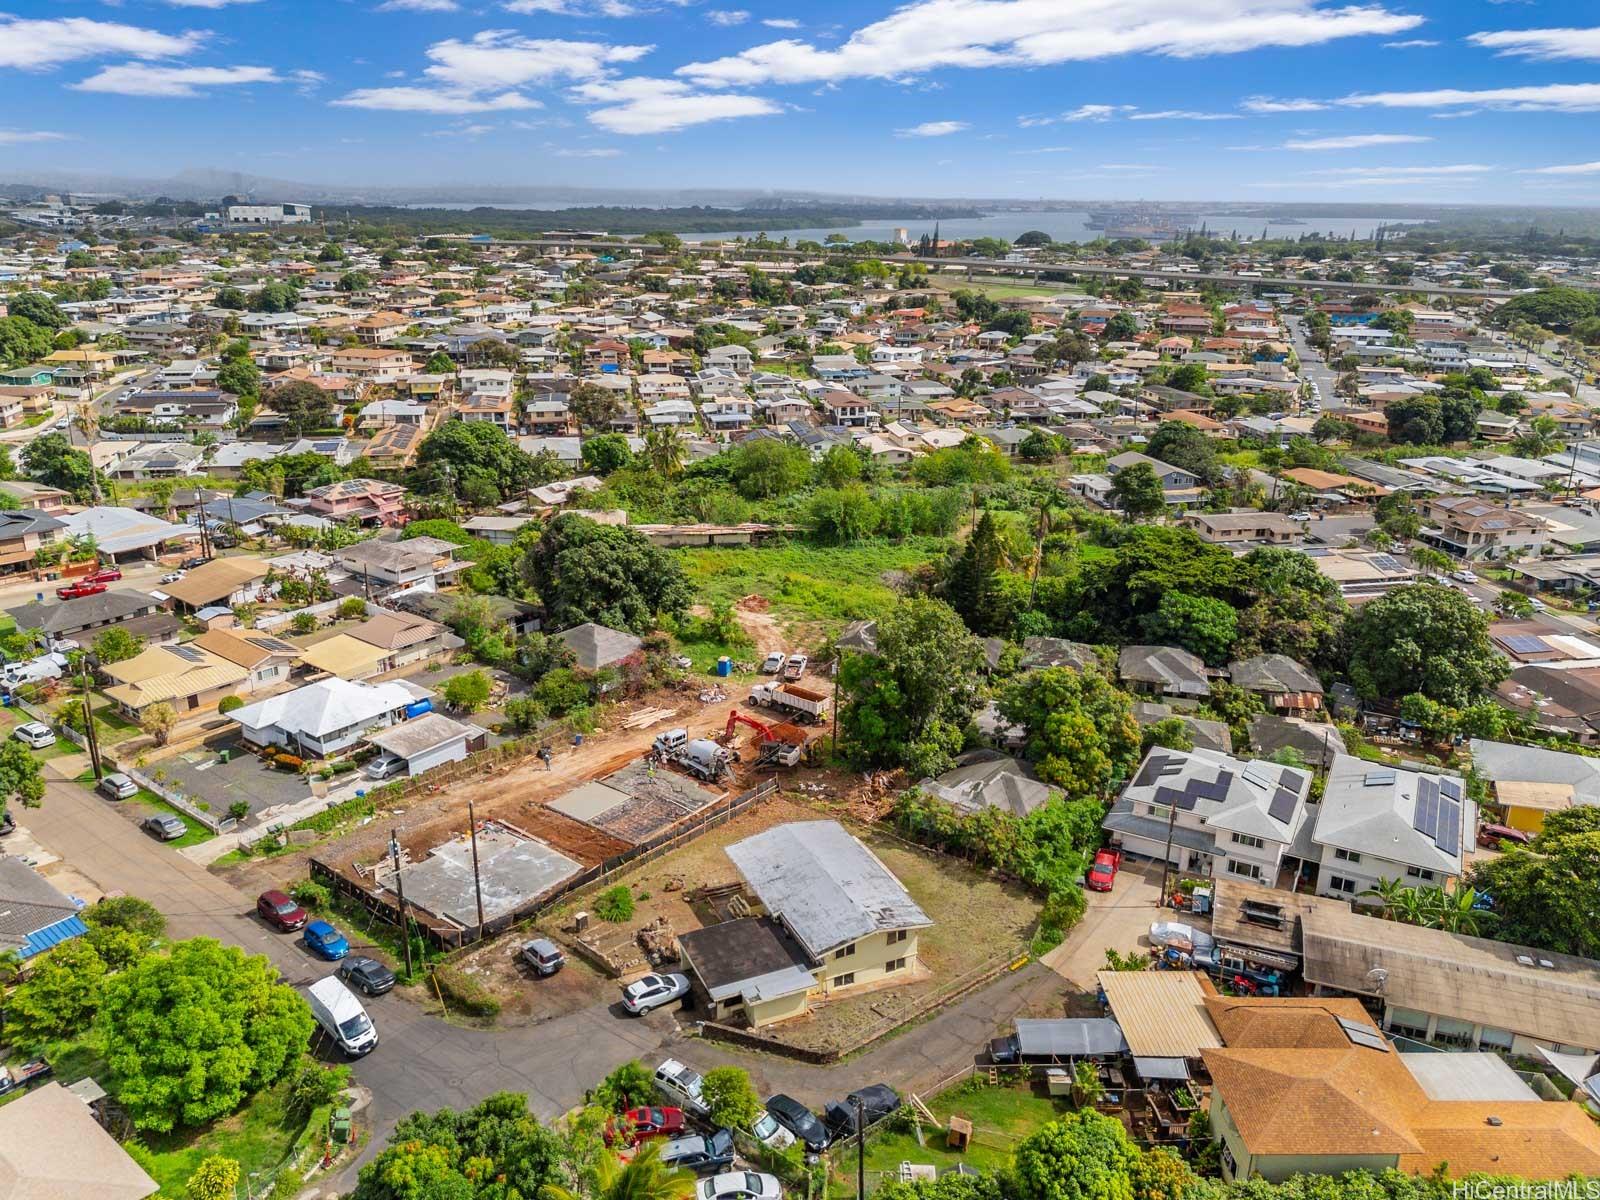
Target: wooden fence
{"points": [[448, 936]]}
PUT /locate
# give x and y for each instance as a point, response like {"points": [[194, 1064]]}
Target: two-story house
{"points": [[400, 564], [367, 501], [1473, 528], [848, 409], [1378, 822]]}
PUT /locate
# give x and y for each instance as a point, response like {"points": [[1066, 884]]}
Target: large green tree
{"points": [[303, 406], [973, 586], [1182, 445], [51, 459], [21, 341], [908, 704], [60, 995], [1199, 624], [479, 462], [1137, 491], [1544, 893], [38, 308], [612, 575], [189, 1035], [765, 469], [1080, 728], [1084, 1156], [495, 1150], [1422, 638]]}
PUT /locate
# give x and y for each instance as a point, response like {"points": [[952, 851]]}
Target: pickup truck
{"points": [[29, 1073], [1102, 876], [802, 703], [795, 667], [84, 587]]}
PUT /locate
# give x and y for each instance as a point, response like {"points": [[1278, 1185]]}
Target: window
{"points": [[895, 964], [1248, 870], [1406, 1022], [1245, 839], [1349, 856], [1419, 873], [1338, 883], [845, 951], [844, 980], [896, 936]]}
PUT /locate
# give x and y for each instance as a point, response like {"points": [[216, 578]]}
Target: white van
{"points": [[341, 1016]]}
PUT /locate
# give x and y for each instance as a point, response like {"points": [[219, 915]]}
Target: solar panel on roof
{"points": [[1450, 788], [1448, 835], [273, 644], [1151, 771], [1378, 779], [1425, 817], [1363, 1035], [187, 653], [1525, 643], [1386, 562], [1283, 804]]}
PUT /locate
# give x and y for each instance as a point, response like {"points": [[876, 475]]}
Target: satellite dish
{"points": [[1378, 976]]}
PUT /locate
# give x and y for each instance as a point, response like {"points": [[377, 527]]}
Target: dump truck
{"points": [[801, 703]]}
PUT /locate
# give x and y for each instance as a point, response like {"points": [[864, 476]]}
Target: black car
{"points": [[800, 1121], [702, 1155], [1004, 1050], [367, 975], [878, 1100], [190, 564]]}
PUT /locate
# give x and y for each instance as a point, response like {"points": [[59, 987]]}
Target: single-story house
{"points": [[429, 741], [328, 716]]}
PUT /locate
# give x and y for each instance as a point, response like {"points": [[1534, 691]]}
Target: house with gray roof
{"points": [[1163, 671], [1205, 734], [1283, 684], [1531, 782], [1041, 652], [1315, 741], [846, 909], [1377, 822], [1225, 817], [595, 646], [988, 779], [34, 916]]}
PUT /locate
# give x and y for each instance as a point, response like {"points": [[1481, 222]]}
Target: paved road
{"points": [[424, 1062], [1313, 366]]}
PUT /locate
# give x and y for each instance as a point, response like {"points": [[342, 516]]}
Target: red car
{"points": [[84, 587], [1102, 874], [640, 1124], [1492, 837], [282, 913], [104, 575]]}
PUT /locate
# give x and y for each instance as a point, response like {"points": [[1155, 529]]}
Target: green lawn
{"points": [[840, 583], [259, 1136], [1014, 291], [1001, 1117]]}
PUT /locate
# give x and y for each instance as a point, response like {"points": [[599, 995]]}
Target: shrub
{"points": [[216, 1178], [465, 992], [308, 893], [629, 1086], [239, 809], [353, 609], [468, 692], [614, 904], [288, 762], [304, 622], [229, 703], [315, 1085], [524, 713]]}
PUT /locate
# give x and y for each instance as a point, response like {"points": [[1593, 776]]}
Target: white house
{"points": [[1378, 822], [326, 717]]}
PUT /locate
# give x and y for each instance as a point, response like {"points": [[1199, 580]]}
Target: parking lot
{"points": [[202, 776]]}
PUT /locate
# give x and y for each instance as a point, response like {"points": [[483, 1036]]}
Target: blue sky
{"points": [[1431, 100]]}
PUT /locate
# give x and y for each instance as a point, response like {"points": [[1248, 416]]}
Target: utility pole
{"points": [[88, 717], [205, 533], [477, 881], [861, 1152], [400, 890], [1166, 859]]}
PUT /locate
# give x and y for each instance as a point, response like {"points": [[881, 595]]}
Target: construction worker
{"points": [[544, 757]]}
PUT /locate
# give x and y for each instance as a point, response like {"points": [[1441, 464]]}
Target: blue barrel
{"points": [[577, 739]]}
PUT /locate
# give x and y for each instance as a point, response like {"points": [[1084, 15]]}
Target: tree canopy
{"points": [[52, 460], [1422, 638], [1080, 728], [612, 575], [479, 462]]}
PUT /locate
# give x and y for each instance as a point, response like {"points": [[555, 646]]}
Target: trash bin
{"points": [[339, 1125], [222, 756]]}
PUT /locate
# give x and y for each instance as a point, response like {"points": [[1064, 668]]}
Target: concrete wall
{"points": [[453, 751]]}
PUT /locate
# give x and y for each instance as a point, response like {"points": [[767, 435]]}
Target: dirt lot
{"points": [[525, 999]]}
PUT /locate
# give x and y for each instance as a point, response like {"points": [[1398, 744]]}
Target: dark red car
{"points": [[282, 913], [1491, 837], [641, 1124], [104, 575], [1102, 874], [84, 587]]}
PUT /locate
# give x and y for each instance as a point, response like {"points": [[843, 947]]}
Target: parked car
{"points": [[800, 1121], [878, 1100], [1176, 933], [323, 940], [1464, 576], [773, 663], [34, 670], [1492, 836], [73, 591], [641, 1124], [35, 734], [117, 786], [190, 564], [164, 826], [1003, 1051], [1300, 516], [739, 1185], [173, 576], [769, 1133], [682, 1086], [105, 575], [1102, 876], [282, 913], [652, 991], [224, 541], [341, 1017], [543, 955], [384, 766], [701, 1154], [367, 975]]}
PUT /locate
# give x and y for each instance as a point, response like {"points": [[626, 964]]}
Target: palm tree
{"points": [[663, 450], [645, 1177]]}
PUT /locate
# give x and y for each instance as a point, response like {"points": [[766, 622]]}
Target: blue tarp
{"points": [[53, 935]]}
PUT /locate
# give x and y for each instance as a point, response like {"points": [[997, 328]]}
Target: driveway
{"points": [[1115, 920], [427, 1063], [202, 776]]}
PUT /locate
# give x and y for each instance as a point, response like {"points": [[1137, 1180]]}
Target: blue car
{"points": [[325, 941]]}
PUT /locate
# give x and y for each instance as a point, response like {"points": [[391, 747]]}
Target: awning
{"points": [[1576, 1067], [1070, 1038], [1161, 1068], [53, 935]]}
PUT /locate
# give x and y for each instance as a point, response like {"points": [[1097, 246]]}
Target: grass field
{"points": [[1013, 291], [148, 803], [1001, 1117], [840, 583]]}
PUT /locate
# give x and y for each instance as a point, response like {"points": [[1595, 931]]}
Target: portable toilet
{"points": [[724, 666]]}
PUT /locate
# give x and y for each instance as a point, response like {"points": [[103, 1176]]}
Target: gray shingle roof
{"points": [[1173, 670], [596, 646], [1373, 810], [1273, 673]]}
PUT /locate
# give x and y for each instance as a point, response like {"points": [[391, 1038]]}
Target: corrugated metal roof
{"points": [[1162, 1013], [52, 935]]}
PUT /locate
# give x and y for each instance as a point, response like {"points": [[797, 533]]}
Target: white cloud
{"points": [[1182, 114], [781, 23], [462, 131], [1542, 44], [418, 6], [1410, 44], [588, 152], [1271, 104], [431, 100], [934, 129], [1091, 112], [1399, 175], [642, 105], [727, 17], [929, 34], [1129, 167], [206, 3], [1400, 169], [1548, 97], [1044, 150], [1356, 141], [1588, 168], [38, 45], [575, 8], [17, 137], [179, 83]]}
